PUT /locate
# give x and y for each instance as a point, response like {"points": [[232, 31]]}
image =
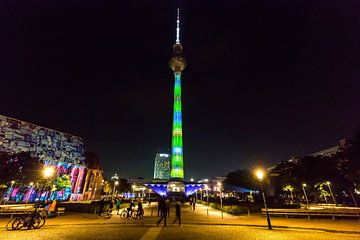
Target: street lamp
{"points": [[207, 195], [332, 195], [115, 184], [133, 188], [260, 176], [48, 173], [221, 205], [307, 200]]}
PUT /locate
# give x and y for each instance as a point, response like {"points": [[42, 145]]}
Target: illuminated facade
{"points": [[177, 64], [162, 166], [63, 151]]}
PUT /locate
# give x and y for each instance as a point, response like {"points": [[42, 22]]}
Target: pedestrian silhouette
{"points": [[164, 210], [177, 213]]}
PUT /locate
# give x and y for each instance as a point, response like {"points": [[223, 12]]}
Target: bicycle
{"points": [[126, 214], [137, 214], [34, 220], [106, 214]]}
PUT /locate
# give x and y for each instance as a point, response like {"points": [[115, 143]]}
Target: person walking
{"points": [[118, 204], [140, 209], [164, 213], [177, 213], [168, 207], [160, 203], [101, 203], [111, 205]]}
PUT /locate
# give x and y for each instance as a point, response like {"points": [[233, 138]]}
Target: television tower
{"points": [[177, 64]]}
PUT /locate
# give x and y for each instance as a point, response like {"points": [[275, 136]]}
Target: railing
{"points": [[316, 212]]}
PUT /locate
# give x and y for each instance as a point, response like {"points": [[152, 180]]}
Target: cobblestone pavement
{"points": [[203, 223], [206, 232]]}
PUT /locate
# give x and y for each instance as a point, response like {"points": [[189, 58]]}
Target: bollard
{"points": [[152, 210], [248, 213], [222, 214], [207, 213], [95, 212]]}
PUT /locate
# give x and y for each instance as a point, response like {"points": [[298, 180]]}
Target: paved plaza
{"points": [[203, 223]]}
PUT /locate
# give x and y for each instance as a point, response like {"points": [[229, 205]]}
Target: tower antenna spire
{"points": [[178, 26]]}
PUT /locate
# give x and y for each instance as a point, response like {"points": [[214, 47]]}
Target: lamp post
{"points": [[115, 184], [5, 194], [207, 195], [133, 188], [149, 197], [260, 176], [48, 173], [221, 205], [332, 195], [306, 198]]}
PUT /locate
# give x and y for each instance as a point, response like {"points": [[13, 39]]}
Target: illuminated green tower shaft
{"points": [[177, 64]]}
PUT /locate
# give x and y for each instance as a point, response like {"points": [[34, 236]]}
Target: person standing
{"points": [[102, 203], [160, 203], [111, 205], [163, 213], [118, 204], [140, 209], [177, 213], [168, 207]]}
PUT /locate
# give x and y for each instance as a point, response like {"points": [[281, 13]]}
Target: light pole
{"points": [[306, 198], [260, 176], [149, 197], [221, 205], [133, 188], [332, 195], [48, 173], [115, 184], [207, 195], [5, 194]]}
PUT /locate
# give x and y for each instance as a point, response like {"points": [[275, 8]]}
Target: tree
{"points": [[21, 167], [239, 179], [289, 188], [63, 181]]}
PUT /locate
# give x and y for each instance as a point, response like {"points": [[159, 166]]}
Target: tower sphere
{"points": [[177, 63]]}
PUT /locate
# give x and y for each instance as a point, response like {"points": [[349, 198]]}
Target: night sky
{"points": [[266, 80]]}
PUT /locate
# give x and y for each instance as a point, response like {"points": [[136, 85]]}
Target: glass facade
{"points": [[162, 166]]}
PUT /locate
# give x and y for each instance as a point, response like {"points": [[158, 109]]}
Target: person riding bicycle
{"points": [[130, 208]]}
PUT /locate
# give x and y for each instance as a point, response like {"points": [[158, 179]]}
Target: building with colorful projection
{"points": [[162, 166], [62, 151]]}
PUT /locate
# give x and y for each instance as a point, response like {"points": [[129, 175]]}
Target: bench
{"points": [[60, 210]]}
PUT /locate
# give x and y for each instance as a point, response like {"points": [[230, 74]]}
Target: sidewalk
{"points": [[346, 226], [206, 216]]}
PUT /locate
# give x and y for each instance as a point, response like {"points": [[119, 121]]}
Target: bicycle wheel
{"points": [[134, 214], [18, 223], [43, 221], [9, 224], [38, 222], [123, 215]]}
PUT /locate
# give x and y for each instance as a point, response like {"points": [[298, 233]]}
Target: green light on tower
{"points": [[177, 64]]}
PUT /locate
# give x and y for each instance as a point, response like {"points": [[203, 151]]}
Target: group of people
{"points": [[118, 202], [163, 208], [164, 211]]}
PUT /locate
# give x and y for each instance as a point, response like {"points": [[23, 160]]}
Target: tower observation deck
{"points": [[177, 64]]}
